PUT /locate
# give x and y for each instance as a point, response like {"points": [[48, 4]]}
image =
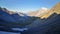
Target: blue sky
{"points": [[27, 5]]}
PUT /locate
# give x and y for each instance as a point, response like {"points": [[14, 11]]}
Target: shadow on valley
{"points": [[51, 25], [10, 20], [34, 25]]}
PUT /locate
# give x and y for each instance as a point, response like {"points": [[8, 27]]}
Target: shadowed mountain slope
{"points": [[49, 23], [49, 26]]}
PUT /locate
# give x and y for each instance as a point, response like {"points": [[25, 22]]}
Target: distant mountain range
{"points": [[37, 13]]}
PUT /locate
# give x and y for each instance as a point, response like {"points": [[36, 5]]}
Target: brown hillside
{"points": [[55, 9]]}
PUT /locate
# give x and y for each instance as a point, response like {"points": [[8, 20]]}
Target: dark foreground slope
{"points": [[50, 26]]}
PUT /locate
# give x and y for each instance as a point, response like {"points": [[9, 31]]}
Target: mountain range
{"points": [[45, 12], [37, 13], [49, 23], [8, 17], [42, 21]]}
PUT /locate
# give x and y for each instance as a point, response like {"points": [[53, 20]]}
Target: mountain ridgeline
{"points": [[49, 23], [42, 21], [9, 18]]}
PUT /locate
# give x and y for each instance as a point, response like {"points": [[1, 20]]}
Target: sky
{"points": [[27, 5]]}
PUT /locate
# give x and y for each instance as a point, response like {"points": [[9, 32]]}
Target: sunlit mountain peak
{"points": [[44, 8]]}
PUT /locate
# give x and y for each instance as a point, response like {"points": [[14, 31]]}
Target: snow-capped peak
{"points": [[41, 11], [44, 8]]}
